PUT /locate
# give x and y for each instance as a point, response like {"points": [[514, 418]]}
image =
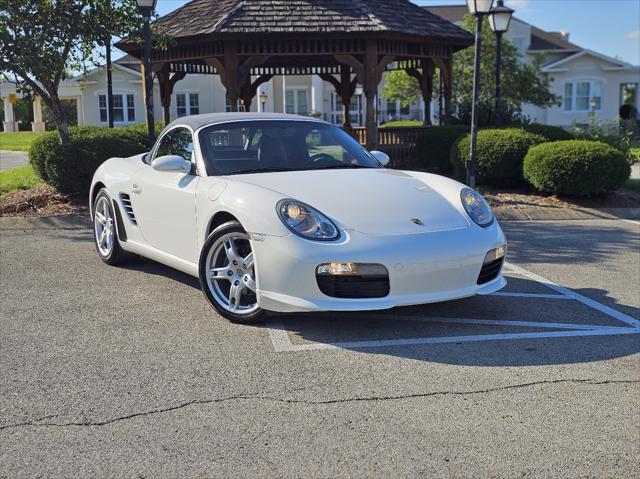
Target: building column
{"points": [[37, 124], [80, 111], [317, 98], [9, 122]]}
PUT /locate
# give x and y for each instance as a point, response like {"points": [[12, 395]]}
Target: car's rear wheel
{"points": [[227, 274], [104, 230]]}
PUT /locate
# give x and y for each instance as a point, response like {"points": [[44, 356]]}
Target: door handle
{"points": [[136, 189]]}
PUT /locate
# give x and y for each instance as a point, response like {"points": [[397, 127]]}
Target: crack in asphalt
{"points": [[249, 397]]}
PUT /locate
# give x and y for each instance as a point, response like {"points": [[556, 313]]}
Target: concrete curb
{"points": [[82, 221]]}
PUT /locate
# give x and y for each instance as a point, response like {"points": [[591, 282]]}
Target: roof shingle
{"points": [[206, 17]]}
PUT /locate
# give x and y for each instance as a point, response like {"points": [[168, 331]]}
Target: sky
{"points": [[611, 27]]}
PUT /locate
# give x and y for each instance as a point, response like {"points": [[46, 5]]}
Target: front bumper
{"points": [[423, 268]]}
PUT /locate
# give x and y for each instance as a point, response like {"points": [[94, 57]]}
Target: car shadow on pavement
{"points": [[439, 321], [148, 266]]}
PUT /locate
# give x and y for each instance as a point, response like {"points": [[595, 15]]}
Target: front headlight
{"points": [[476, 207], [306, 221]]}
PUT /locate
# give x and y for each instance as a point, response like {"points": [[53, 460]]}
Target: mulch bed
{"points": [[41, 201], [518, 199]]}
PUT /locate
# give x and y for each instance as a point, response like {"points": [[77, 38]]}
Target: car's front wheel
{"points": [[227, 274], [104, 229]]}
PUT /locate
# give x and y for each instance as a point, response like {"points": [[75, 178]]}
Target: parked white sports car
{"points": [[285, 213]]}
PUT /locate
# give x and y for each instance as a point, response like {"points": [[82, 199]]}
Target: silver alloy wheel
{"points": [[231, 273], [104, 227]]}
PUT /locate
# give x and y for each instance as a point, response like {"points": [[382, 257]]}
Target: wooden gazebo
{"points": [[345, 42]]}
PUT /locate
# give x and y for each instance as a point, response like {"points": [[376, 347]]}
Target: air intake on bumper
{"points": [[353, 280]]}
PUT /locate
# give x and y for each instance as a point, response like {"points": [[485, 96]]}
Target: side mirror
{"points": [[382, 158], [171, 163]]}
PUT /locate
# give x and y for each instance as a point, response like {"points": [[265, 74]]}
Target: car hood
{"points": [[371, 201]]}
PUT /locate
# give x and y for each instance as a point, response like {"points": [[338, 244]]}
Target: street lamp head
{"points": [[479, 7], [263, 97], [146, 7], [500, 18]]}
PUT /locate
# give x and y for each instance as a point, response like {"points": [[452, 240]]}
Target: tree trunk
{"points": [[55, 105]]}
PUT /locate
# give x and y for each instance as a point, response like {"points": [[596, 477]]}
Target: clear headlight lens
{"points": [[476, 207], [306, 221]]}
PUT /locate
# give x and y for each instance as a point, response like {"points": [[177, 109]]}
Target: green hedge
{"points": [[433, 146], [576, 167], [501, 153], [548, 132], [70, 168]]}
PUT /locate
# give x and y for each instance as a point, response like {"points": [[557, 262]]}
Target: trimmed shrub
{"points": [[576, 167], [548, 132], [501, 153], [70, 168], [434, 146]]}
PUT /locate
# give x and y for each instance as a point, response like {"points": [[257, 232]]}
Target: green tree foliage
{"points": [[398, 86], [42, 40], [521, 82]]}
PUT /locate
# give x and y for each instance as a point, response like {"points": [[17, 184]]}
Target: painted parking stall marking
{"points": [[282, 342]]}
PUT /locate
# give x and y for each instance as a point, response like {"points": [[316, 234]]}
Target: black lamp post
{"points": [[263, 101], [146, 8], [479, 9], [499, 20]]}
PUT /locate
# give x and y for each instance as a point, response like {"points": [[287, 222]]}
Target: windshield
{"points": [[279, 145]]}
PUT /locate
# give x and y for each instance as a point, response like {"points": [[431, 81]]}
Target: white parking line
{"points": [[578, 297], [282, 342], [634, 222]]}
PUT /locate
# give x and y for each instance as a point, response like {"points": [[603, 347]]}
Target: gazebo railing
{"points": [[397, 142]]}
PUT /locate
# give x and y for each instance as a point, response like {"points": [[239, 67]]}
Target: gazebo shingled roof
{"points": [[304, 16], [345, 42]]}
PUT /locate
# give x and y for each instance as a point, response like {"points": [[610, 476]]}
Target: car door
{"points": [[164, 201]]}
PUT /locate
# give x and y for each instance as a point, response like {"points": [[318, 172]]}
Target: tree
{"points": [[41, 41], [521, 82], [398, 86]]}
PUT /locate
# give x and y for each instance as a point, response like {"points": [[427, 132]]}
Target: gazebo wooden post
{"points": [[425, 80], [369, 74], [445, 65], [345, 87], [167, 81], [249, 90]]}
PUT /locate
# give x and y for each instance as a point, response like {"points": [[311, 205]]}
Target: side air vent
{"points": [[128, 209]]}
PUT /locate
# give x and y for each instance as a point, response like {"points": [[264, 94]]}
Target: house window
{"points": [[355, 110], [296, 101], [102, 106], [131, 108], [187, 104], [582, 96], [121, 113]]}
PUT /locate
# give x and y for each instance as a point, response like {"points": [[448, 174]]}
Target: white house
{"points": [[586, 81]]}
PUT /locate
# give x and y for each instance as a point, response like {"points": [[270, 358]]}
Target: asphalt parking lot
{"points": [[127, 372]]}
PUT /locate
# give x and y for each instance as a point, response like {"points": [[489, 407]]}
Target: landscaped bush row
{"points": [[70, 168], [576, 167], [546, 156], [500, 154], [433, 147]]}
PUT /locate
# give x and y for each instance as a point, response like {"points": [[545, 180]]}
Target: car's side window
{"points": [[178, 141]]}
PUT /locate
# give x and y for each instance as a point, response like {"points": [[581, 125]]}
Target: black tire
{"points": [[116, 255], [257, 316]]}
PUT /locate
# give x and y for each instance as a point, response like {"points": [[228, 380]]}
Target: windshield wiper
{"points": [[260, 170]]}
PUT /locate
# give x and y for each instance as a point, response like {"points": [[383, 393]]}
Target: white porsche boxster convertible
{"points": [[286, 213]]}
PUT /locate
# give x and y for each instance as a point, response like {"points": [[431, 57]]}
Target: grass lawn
{"points": [[17, 141], [394, 124], [22, 178]]}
